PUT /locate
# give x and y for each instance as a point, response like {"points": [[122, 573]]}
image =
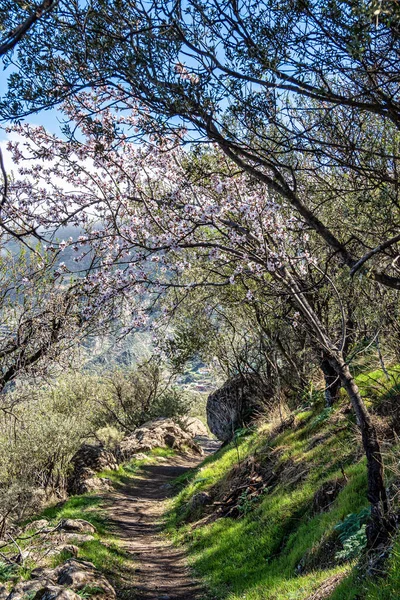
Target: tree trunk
{"points": [[332, 382], [381, 522]]}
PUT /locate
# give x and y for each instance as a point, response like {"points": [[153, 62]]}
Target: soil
{"points": [[160, 569]]}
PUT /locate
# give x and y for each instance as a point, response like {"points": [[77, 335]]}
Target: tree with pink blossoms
{"points": [[155, 223]]}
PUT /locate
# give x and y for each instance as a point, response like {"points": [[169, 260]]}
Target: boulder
{"points": [[199, 500], [95, 484], [66, 582], [65, 548], [236, 404], [89, 460], [45, 574], [79, 574], [27, 589], [159, 433], [77, 526], [194, 426], [56, 592], [38, 525]]}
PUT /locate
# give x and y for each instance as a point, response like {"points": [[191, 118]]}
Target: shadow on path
{"points": [[160, 569]]}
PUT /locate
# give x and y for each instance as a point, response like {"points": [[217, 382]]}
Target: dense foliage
{"points": [[229, 174]]}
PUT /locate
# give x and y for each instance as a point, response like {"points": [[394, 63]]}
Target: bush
{"points": [[110, 437], [48, 424], [352, 534], [131, 397]]}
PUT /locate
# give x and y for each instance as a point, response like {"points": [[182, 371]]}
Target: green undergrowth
{"points": [[126, 471], [163, 452], [283, 546], [103, 550], [379, 386]]}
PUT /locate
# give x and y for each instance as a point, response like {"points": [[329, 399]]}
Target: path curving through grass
{"points": [[135, 512]]}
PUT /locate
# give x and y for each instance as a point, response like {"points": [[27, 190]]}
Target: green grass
{"points": [[279, 549], [376, 386], [90, 590], [126, 471], [7, 571], [103, 551], [88, 507], [163, 452]]}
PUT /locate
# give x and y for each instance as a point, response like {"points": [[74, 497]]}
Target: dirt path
{"points": [[160, 571]]}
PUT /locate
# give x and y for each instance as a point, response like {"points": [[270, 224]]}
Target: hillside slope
{"points": [[280, 513]]}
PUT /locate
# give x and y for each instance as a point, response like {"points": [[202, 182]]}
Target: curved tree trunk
{"points": [[381, 524], [382, 521]]}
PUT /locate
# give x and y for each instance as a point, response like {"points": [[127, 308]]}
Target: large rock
{"points": [[41, 525], [95, 484], [194, 426], [236, 404], [28, 589], [56, 592], [159, 433], [66, 582], [89, 460], [79, 574]]}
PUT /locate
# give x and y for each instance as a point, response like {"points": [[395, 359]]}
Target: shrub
{"points": [[110, 437], [352, 534]]}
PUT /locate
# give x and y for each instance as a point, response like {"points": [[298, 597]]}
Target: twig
{"points": [[18, 548], [5, 184]]}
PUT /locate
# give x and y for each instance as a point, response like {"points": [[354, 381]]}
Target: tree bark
{"points": [[381, 521], [332, 382]]}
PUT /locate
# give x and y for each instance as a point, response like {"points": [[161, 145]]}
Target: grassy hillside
{"points": [[280, 513]]}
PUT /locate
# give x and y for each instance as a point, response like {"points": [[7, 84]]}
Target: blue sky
{"points": [[49, 118]]}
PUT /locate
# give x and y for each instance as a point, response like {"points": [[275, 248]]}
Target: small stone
{"points": [[68, 548], [38, 525], [78, 525]]}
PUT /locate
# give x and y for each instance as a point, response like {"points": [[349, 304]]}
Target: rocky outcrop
{"points": [[239, 401], [66, 582], [89, 460], [194, 426], [160, 433], [78, 574]]}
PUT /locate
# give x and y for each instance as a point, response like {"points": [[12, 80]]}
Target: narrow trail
{"points": [[160, 571]]}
